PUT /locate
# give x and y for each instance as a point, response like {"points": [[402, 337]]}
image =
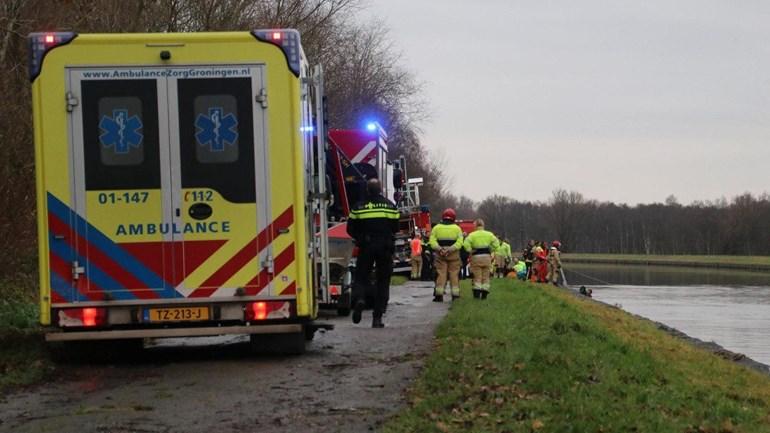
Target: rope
{"points": [[590, 277]]}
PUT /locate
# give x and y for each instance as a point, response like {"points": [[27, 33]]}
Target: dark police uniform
{"points": [[372, 223]]}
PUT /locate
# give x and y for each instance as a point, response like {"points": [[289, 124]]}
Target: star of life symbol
{"points": [[120, 131], [216, 129]]}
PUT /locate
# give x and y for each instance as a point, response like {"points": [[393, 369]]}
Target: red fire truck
{"points": [[353, 157]]}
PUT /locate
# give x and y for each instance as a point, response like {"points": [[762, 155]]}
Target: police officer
{"points": [[446, 239], [481, 244], [373, 223]]}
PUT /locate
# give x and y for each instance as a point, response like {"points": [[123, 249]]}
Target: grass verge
{"points": [[24, 358], [534, 358], [397, 280]]}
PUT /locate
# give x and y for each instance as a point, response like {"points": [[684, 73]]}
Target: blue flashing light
{"points": [[306, 128], [371, 126]]}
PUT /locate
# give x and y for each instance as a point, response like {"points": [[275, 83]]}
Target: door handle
{"points": [[178, 213]]}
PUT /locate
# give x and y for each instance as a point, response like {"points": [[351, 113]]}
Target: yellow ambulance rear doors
{"points": [[169, 182]]}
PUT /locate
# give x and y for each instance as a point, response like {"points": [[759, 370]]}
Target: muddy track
{"points": [[350, 380]]}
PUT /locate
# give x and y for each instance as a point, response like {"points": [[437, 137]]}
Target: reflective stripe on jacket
{"points": [[374, 218], [480, 240], [446, 235]]}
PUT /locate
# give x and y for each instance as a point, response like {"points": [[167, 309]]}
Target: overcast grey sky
{"points": [[627, 101]]}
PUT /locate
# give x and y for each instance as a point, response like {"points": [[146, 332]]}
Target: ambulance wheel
{"points": [[100, 351], [343, 305], [279, 344]]}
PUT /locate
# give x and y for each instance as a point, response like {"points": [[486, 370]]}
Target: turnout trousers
{"points": [[448, 268], [480, 266], [416, 266], [379, 257], [553, 274]]}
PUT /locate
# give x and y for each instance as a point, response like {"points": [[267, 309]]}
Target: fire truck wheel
{"points": [[279, 344], [343, 305]]}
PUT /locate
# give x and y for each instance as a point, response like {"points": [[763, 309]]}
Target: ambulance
{"points": [[176, 185]]}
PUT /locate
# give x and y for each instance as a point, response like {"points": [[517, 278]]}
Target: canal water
{"points": [[731, 308]]}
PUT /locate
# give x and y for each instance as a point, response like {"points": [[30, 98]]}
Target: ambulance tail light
{"points": [[40, 44], [355, 252], [285, 39], [82, 317], [267, 310]]}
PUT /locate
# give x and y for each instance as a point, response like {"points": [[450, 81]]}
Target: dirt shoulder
{"points": [[350, 380]]}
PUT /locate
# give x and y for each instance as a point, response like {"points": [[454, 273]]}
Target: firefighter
{"points": [[554, 263], [416, 246], [446, 239], [502, 259], [481, 244], [373, 223]]}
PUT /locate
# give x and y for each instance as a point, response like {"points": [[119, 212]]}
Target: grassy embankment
{"points": [[534, 358], [716, 261], [23, 355]]}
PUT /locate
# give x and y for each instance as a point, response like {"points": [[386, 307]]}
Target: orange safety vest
{"points": [[416, 245]]}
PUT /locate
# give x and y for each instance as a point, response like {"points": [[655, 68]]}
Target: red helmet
{"points": [[556, 244], [449, 214]]}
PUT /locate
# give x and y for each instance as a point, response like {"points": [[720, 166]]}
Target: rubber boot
{"points": [[377, 322], [357, 309], [455, 297], [484, 294], [438, 298], [476, 293]]}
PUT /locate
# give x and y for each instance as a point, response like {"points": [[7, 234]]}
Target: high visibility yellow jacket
{"points": [[446, 235], [504, 250], [520, 267], [481, 242]]}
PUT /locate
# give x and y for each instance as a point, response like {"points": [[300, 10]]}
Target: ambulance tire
{"points": [[101, 351], [278, 344]]}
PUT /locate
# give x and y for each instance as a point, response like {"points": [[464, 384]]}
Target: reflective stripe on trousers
{"points": [[448, 268], [480, 267]]}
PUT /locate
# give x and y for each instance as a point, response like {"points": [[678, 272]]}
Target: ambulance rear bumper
{"points": [[173, 332]]}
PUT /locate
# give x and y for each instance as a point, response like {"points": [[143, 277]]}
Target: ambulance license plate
{"points": [[177, 314]]}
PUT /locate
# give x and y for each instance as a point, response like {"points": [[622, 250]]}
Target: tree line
{"points": [[364, 78], [740, 226]]}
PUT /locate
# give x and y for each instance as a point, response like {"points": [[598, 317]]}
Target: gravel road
{"points": [[350, 380]]}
